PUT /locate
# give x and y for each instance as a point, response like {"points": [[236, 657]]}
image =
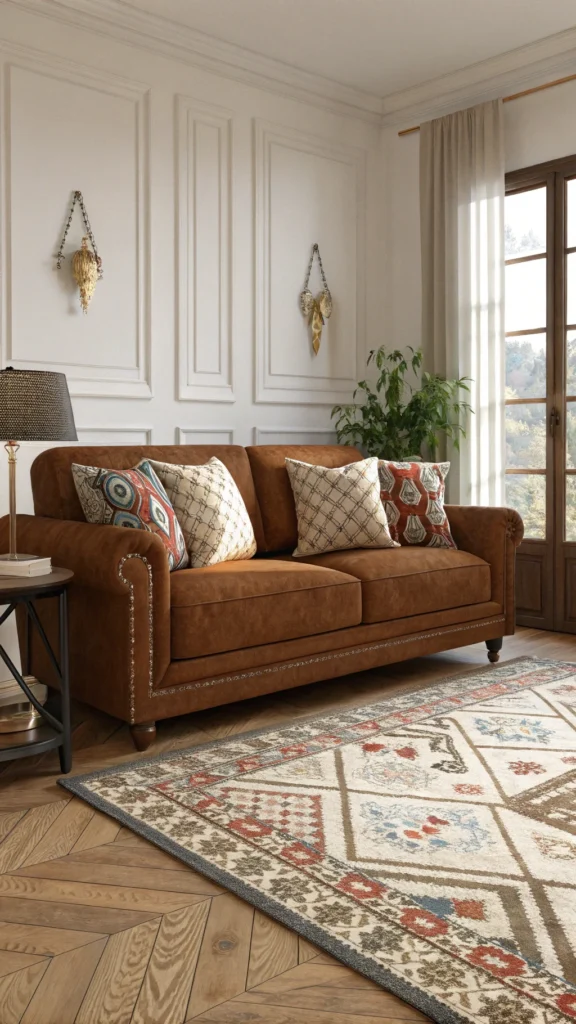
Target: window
{"points": [[540, 252], [526, 332]]}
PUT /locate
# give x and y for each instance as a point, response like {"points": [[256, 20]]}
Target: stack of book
{"points": [[11, 693], [25, 566]]}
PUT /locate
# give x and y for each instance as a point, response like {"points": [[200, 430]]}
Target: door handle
{"points": [[554, 421]]}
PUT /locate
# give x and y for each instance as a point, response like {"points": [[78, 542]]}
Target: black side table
{"points": [[52, 732]]}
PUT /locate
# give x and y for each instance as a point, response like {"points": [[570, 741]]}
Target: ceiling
{"points": [[379, 46]]}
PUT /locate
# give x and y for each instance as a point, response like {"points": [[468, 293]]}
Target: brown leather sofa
{"points": [[146, 644]]}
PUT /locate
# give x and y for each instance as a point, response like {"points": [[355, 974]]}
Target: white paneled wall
{"points": [[205, 195], [293, 435]]}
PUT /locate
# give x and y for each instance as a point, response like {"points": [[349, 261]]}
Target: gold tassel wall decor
{"points": [[86, 263], [85, 271], [317, 310]]}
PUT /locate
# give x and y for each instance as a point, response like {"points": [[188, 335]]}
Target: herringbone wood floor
{"points": [[97, 926]]}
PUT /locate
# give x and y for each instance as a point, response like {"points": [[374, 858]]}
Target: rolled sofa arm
{"points": [[493, 534], [119, 608]]}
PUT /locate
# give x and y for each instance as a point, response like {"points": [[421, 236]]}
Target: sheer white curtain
{"points": [[462, 232]]}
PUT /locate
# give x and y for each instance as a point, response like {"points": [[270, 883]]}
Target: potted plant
{"points": [[395, 419]]}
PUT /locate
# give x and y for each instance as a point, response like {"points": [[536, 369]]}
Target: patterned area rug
{"points": [[428, 840]]}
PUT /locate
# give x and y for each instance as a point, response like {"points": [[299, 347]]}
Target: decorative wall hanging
{"points": [[86, 263], [317, 310]]}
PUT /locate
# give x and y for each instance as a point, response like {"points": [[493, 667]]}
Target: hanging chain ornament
{"points": [[317, 310], [86, 264]]}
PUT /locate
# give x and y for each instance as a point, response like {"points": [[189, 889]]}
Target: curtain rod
{"points": [[508, 99]]}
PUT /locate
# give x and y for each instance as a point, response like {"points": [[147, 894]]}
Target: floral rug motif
{"points": [[427, 840]]}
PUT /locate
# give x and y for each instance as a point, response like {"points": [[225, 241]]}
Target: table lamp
{"points": [[34, 406]]}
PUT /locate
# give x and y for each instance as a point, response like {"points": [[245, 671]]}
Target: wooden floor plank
{"points": [[90, 894], [168, 980], [100, 829], [273, 949], [16, 991], [59, 839], [25, 836], [339, 990], [223, 962], [35, 939], [159, 879], [240, 1013], [115, 985], [72, 917], [126, 837], [63, 987], [8, 820], [147, 856], [306, 951], [140, 857], [11, 962], [324, 958]]}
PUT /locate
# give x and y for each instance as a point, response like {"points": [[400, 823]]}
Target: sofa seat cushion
{"points": [[411, 580], [234, 605]]}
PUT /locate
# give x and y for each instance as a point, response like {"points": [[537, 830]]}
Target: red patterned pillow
{"points": [[413, 497], [134, 498]]}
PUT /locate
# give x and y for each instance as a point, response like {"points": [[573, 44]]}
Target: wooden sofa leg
{"points": [[494, 648], [143, 734]]}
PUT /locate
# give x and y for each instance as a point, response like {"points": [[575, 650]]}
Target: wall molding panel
{"points": [[307, 189], [204, 435], [121, 367], [205, 270], [294, 435], [101, 435]]}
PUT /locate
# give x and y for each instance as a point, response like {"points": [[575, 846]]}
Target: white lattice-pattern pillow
{"points": [[210, 510], [338, 509]]}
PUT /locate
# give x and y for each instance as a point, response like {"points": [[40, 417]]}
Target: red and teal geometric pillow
{"points": [[133, 498], [413, 497]]}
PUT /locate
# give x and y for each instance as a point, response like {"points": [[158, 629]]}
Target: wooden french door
{"points": [[540, 218]]}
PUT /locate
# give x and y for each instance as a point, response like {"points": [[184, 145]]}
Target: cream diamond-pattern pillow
{"points": [[339, 508], [210, 510]]}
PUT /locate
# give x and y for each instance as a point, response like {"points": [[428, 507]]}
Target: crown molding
{"points": [[117, 19], [509, 72]]}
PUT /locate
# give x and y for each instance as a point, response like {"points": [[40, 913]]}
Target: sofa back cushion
{"points": [[273, 490], [55, 494]]}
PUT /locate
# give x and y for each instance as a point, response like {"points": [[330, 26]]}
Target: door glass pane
{"points": [[571, 435], [571, 508], [527, 494], [571, 212], [526, 366], [570, 288], [526, 295], [571, 363], [525, 223], [526, 436]]}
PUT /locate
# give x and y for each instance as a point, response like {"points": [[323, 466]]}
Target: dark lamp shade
{"points": [[35, 406]]}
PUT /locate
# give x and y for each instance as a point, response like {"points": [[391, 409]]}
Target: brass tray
{"points": [[19, 717]]}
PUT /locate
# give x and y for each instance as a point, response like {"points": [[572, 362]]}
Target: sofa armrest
{"points": [[493, 534], [119, 607]]}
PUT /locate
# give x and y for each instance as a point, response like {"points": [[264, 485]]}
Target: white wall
{"points": [[539, 127], [205, 195]]}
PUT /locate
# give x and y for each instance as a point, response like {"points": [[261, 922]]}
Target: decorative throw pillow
{"points": [[338, 508], [210, 510], [133, 498], [413, 497]]}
